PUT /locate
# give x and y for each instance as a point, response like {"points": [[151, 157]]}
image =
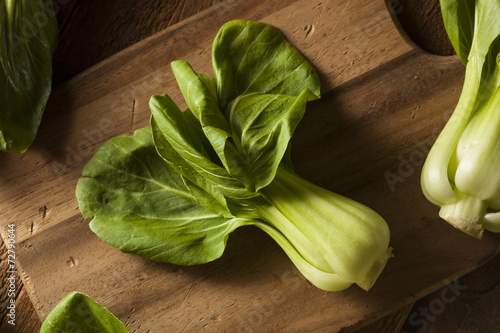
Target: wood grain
{"points": [[422, 22], [390, 323], [82, 42], [258, 237], [103, 30], [26, 319], [469, 304]]}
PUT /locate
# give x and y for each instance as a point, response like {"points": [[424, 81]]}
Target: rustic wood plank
{"points": [[24, 317], [348, 79], [81, 43], [422, 22], [391, 323], [469, 304], [103, 30]]}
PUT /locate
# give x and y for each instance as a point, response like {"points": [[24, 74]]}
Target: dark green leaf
{"points": [[263, 85], [28, 30], [141, 205], [254, 57]]}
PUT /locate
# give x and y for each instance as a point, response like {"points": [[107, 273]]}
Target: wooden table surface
{"points": [[91, 32]]}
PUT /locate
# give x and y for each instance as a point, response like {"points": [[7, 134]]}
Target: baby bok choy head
{"points": [[174, 191], [462, 172]]}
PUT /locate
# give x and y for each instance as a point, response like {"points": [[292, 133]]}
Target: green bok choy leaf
{"points": [[462, 171], [28, 33], [77, 312], [174, 191]]}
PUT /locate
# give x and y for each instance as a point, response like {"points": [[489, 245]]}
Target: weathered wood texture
{"points": [[69, 160], [91, 31], [422, 22], [469, 304], [391, 323], [26, 319]]}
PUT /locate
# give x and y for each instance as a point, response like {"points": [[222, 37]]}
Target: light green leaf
{"points": [[458, 17], [264, 124], [28, 30], [204, 106], [180, 142], [141, 205], [487, 29], [213, 199], [472, 26], [78, 312]]}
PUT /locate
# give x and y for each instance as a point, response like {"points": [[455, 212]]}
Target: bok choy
{"points": [[77, 312], [28, 34], [462, 171], [174, 191]]}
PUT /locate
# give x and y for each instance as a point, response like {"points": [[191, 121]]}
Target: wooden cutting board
{"points": [[384, 102]]}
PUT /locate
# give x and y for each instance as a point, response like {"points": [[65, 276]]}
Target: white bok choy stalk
{"points": [[173, 192], [462, 171]]}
